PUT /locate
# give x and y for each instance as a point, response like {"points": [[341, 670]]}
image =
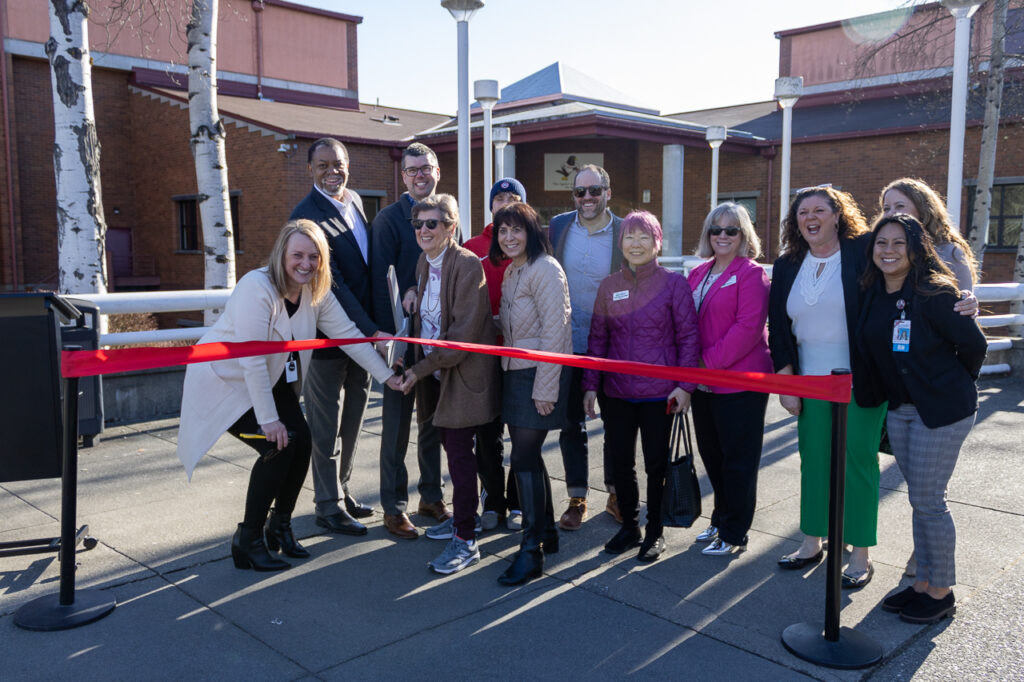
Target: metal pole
{"points": [[958, 112], [68, 493], [465, 201], [488, 153], [787, 139], [499, 160], [837, 501], [714, 177]]}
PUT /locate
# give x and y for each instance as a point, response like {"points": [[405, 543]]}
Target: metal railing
{"points": [[181, 301]]}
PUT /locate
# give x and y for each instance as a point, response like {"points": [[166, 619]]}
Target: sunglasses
{"points": [[593, 190], [429, 224], [729, 231]]}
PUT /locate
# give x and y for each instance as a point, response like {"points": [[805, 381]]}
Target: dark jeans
{"points": [[276, 477], [396, 418], [622, 420], [458, 446], [729, 429], [489, 462], [572, 440]]}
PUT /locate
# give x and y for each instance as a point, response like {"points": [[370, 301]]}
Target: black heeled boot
{"points": [[249, 551], [528, 562], [278, 533], [550, 540]]}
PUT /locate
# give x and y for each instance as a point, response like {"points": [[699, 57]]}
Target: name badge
{"points": [[620, 295], [291, 371], [901, 336]]}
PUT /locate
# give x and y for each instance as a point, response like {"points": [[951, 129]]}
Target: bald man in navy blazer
{"points": [[333, 423]]}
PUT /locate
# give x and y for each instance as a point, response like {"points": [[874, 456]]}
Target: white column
{"points": [[672, 199], [962, 12], [465, 199]]}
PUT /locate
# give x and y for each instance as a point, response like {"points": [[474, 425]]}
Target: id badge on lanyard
{"points": [[901, 330], [291, 368]]}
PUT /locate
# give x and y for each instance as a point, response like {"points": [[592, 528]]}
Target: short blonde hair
{"points": [[321, 284], [750, 243]]}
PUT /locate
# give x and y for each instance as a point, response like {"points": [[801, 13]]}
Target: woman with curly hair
{"points": [[812, 315]]}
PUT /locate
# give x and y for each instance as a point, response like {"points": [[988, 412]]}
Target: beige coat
{"points": [[470, 391], [217, 393], [535, 315]]}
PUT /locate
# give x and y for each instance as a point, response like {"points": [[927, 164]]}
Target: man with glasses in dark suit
{"points": [[586, 243], [394, 243]]}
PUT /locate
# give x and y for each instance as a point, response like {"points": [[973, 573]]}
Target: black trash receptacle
{"points": [[85, 333], [31, 418]]}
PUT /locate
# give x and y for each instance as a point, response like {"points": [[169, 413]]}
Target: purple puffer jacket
{"points": [[644, 317]]}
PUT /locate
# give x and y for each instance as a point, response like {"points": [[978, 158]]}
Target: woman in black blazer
{"points": [[925, 358]]}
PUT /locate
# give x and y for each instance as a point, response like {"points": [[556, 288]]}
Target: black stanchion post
{"points": [[834, 646], [67, 609]]}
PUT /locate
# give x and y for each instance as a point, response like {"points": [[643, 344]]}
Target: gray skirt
{"points": [[518, 408]]}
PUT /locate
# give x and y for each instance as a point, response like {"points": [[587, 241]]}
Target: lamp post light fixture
{"points": [[488, 94], [715, 135], [500, 137], [787, 91], [462, 11], [962, 10]]}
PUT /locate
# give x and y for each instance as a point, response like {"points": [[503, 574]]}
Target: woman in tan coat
{"points": [[457, 390], [534, 315]]}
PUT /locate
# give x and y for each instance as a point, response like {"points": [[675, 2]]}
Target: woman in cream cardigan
{"points": [[256, 399]]}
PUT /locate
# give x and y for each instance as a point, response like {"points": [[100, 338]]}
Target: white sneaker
{"points": [[514, 520], [709, 534], [446, 529], [489, 520], [457, 555], [720, 548]]}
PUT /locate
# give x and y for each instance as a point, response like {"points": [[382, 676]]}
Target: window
{"points": [[189, 233], [1005, 218], [747, 200], [372, 202]]}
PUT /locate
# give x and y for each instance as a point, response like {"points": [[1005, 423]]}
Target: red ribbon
{"points": [[82, 363]]}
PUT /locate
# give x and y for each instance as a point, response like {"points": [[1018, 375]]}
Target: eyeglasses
{"points": [[593, 190], [429, 224], [729, 231], [413, 171]]}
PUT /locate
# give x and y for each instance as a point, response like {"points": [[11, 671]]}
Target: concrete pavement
{"points": [[368, 608]]}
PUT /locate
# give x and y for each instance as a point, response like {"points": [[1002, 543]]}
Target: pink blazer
{"points": [[732, 318]]}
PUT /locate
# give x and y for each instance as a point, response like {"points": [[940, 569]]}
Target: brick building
{"points": [[858, 125]]}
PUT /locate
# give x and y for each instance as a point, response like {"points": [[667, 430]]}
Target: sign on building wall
{"points": [[559, 169]]}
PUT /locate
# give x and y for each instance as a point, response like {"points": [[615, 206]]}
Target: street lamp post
{"points": [[462, 11], [715, 135], [501, 137], [961, 11], [787, 91], [488, 94]]}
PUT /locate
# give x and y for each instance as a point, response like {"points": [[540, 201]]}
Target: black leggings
{"points": [[277, 477]]}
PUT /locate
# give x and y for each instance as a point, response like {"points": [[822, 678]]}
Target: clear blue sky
{"points": [[671, 55]]}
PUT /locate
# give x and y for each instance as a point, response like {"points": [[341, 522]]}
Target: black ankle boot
{"points": [[249, 551], [626, 538], [278, 533], [528, 562]]}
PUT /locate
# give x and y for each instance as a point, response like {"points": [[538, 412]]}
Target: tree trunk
{"points": [[81, 228], [978, 234], [207, 143]]}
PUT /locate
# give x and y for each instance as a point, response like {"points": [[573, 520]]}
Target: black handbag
{"points": [[680, 503]]}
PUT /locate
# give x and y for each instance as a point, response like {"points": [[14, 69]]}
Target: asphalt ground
{"points": [[368, 607]]}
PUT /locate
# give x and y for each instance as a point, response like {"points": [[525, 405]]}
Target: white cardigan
{"points": [[217, 393]]}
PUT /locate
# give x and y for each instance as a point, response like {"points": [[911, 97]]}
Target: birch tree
{"points": [[81, 228], [207, 142], [977, 236]]}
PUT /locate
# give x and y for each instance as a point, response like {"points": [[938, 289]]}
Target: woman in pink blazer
{"points": [[730, 292]]}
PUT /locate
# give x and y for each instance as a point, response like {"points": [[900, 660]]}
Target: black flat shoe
{"points": [[851, 581], [626, 539], [927, 609], [791, 563], [651, 549], [341, 522], [357, 510], [899, 601]]}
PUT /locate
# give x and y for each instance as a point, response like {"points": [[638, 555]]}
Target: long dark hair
{"points": [[850, 222], [929, 274], [519, 215]]}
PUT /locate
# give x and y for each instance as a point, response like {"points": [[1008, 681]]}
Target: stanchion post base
{"points": [[853, 650], [47, 613]]}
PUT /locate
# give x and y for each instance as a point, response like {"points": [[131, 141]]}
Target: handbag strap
{"points": [[674, 438], [687, 429]]}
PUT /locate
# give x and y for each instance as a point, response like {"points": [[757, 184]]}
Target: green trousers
{"points": [[863, 430]]}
